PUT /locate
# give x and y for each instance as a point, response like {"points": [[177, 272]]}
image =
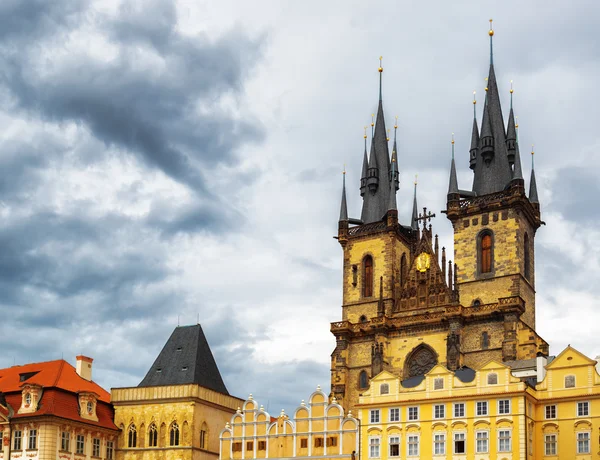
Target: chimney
{"points": [[84, 367], [540, 366]]}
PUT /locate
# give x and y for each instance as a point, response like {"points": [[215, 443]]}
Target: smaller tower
{"points": [[533, 193]]}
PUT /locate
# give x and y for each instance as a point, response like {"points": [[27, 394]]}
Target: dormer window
{"points": [[27, 399], [87, 406], [30, 398], [90, 407]]}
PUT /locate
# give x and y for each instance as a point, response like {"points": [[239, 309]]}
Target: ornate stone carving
{"points": [[453, 351], [421, 361]]}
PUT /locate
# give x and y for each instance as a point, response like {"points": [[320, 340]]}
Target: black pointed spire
{"points": [[518, 170], [395, 176], [365, 167], [414, 223], [511, 132], [392, 205], [344, 206], [533, 194], [453, 184], [473, 151]]}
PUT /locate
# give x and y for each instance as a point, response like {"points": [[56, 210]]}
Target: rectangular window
{"points": [[32, 442], [550, 444], [438, 384], [80, 444], [249, 446], [482, 408], [318, 442], [65, 437], [374, 416], [236, 447], [439, 444], [109, 450], [304, 443], [481, 446], [503, 440], [95, 447], [550, 412], [583, 443], [394, 446], [439, 411], [459, 443], [202, 439], [413, 413], [17, 440], [504, 406], [262, 445], [459, 410], [373, 447], [583, 409], [331, 441], [413, 445], [570, 381], [395, 415]]}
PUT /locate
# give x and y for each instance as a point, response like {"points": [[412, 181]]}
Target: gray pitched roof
{"points": [[186, 358]]}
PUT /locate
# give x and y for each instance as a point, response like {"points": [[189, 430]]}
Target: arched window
{"points": [[485, 341], [363, 380], [403, 270], [492, 379], [384, 389], [132, 436], [476, 303], [420, 361], [174, 434], [203, 436], [526, 258], [486, 252], [363, 319], [152, 436], [368, 276]]}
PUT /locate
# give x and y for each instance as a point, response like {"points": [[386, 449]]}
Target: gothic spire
{"points": [[365, 167], [533, 194], [395, 176], [344, 206], [392, 203], [511, 133], [473, 151], [518, 170], [453, 185], [414, 223]]}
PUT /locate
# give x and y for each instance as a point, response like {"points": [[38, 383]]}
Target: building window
{"points": [[249, 446], [395, 414], [482, 408], [486, 252], [439, 444], [550, 412], [504, 406], [363, 380], [304, 443], [132, 436], [492, 378], [65, 439], [174, 434], [439, 411], [459, 443], [109, 450], [374, 416], [80, 444], [17, 437], [550, 444], [90, 407], [368, 276], [438, 384], [202, 439], [526, 256], [95, 447], [384, 389], [354, 275], [481, 446], [394, 446], [403, 270], [504, 441], [459, 410], [583, 443], [485, 340], [153, 436], [262, 445], [583, 409], [236, 447], [570, 381], [32, 441], [318, 442], [373, 447], [27, 399], [413, 413], [412, 441], [331, 441]]}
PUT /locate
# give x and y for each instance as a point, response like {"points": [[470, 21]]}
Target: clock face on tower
{"points": [[423, 262]]}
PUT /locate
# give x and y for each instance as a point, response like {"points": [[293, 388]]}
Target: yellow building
{"points": [[318, 429], [178, 409]]}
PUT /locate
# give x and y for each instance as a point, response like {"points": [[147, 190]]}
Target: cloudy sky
{"points": [[166, 161]]}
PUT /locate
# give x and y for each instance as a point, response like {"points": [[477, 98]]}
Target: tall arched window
{"points": [[174, 434], [132, 436], [363, 380], [403, 270], [485, 341], [486, 252], [526, 258], [152, 436], [203, 436], [368, 276]]}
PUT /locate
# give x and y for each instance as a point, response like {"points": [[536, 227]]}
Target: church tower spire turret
{"points": [[365, 168], [453, 183], [533, 194]]}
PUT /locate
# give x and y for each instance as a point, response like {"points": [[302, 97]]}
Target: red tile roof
{"points": [[61, 385]]}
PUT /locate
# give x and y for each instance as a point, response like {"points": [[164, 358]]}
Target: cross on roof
{"points": [[425, 217]]}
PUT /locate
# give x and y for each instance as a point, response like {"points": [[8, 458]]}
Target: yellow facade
{"points": [[318, 429], [175, 422]]}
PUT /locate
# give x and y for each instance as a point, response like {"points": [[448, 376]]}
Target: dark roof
{"points": [[412, 382], [465, 374], [185, 358]]}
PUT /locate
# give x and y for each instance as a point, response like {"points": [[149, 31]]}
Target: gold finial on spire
{"points": [[416, 177], [486, 79], [344, 171], [474, 100], [388, 136], [380, 63], [491, 32], [517, 122], [532, 152], [396, 124], [372, 120], [365, 135], [511, 87], [453, 138]]}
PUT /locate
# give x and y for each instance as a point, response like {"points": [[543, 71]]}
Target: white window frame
{"points": [[487, 408], [374, 442], [374, 414], [65, 441], [464, 410], [96, 445], [110, 450], [464, 440], [509, 431], [486, 439], [408, 417], [588, 440], [499, 405], [546, 407], [390, 438], [553, 443], [391, 419], [587, 403], [408, 444], [441, 442], [80, 442], [19, 438], [435, 411], [32, 441], [436, 381]]}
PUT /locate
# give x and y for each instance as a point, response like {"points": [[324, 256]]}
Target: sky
{"points": [[169, 162]]}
